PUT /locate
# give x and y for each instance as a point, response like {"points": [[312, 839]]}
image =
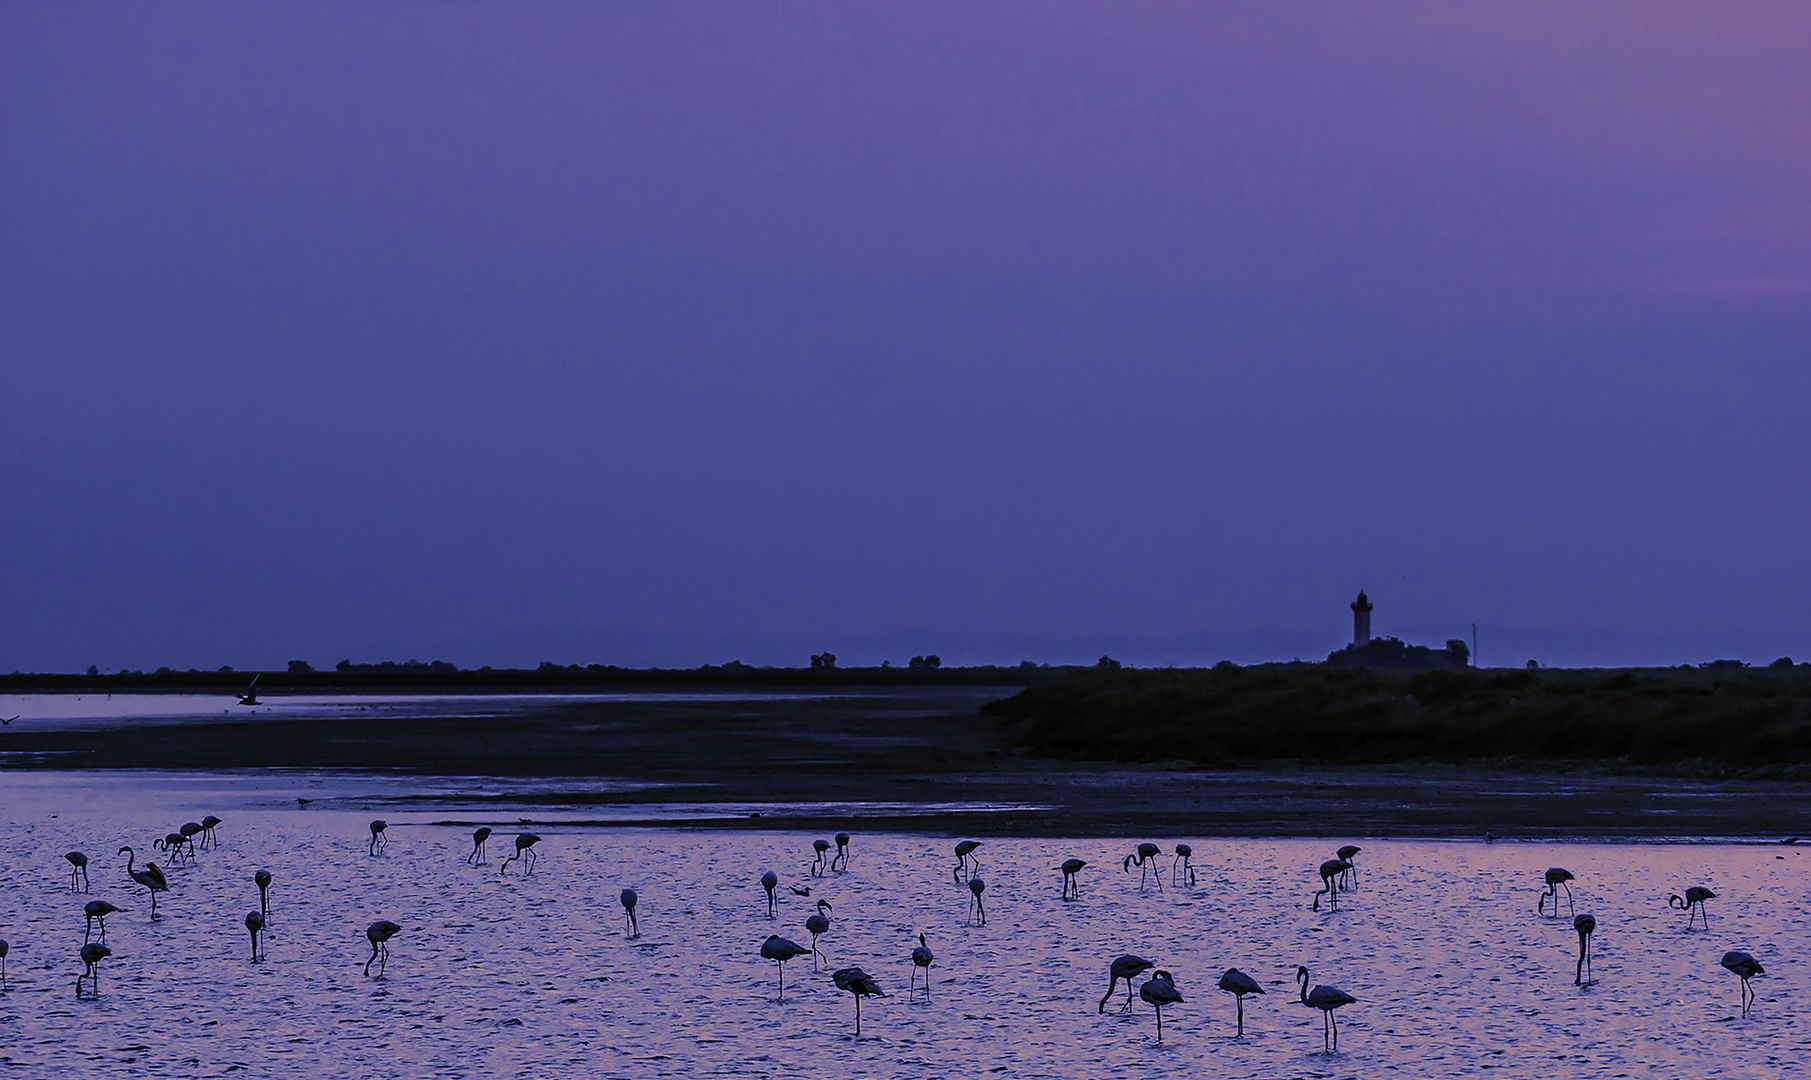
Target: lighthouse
{"points": [[1361, 620]]}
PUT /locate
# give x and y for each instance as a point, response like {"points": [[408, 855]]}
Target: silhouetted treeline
{"points": [[1737, 717], [417, 675]]}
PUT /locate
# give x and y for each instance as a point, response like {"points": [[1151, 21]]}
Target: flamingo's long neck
{"points": [[1302, 978]]}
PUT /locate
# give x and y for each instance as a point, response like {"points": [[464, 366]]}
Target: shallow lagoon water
{"points": [[505, 975]]}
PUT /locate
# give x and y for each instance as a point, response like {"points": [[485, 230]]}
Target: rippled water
{"points": [[505, 975]]}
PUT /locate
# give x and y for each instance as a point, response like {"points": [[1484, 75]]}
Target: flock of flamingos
{"points": [[1337, 874]]}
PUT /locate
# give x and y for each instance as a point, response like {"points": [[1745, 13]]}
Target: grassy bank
{"points": [[1746, 719]]}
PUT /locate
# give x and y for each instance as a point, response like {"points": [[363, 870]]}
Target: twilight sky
{"points": [[671, 332]]}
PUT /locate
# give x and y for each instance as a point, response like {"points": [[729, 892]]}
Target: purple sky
{"points": [[673, 333]]}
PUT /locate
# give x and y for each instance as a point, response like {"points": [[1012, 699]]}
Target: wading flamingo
{"points": [[379, 933], [1746, 967], [1556, 876], [818, 863], [780, 950], [150, 877], [1348, 854], [479, 836], [1326, 999], [1693, 903], [262, 880], [97, 912], [632, 928], [378, 839], [78, 867], [1146, 858], [768, 881], [1585, 925], [1127, 967], [922, 959], [208, 825], [1183, 854], [254, 923], [976, 910], [964, 851], [1158, 992], [1238, 984], [525, 852], [841, 862], [1330, 871], [859, 983], [818, 924], [1072, 886], [92, 954]]}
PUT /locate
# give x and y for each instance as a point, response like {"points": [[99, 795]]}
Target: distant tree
{"points": [[343, 665], [1028, 665], [300, 667], [823, 660], [165, 671], [1782, 662], [931, 661], [1461, 652], [92, 670], [226, 669], [1109, 663], [1532, 664]]}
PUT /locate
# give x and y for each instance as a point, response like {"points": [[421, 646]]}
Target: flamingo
{"points": [[842, 852], [1072, 886], [171, 845], [1330, 870], [1747, 967], [1585, 925], [150, 877], [1347, 854], [1238, 984], [92, 954], [96, 911], [768, 881], [208, 825], [963, 861], [1693, 902], [378, 839], [819, 864], [262, 880], [525, 843], [250, 697], [1326, 999], [254, 922], [1146, 858], [922, 959], [78, 866], [859, 983], [1556, 876], [4, 949], [378, 933], [479, 836], [1127, 967], [1158, 992], [976, 910], [780, 950], [633, 928], [818, 924], [1183, 854], [190, 830]]}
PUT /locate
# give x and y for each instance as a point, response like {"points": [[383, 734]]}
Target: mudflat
{"points": [[928, 748]]}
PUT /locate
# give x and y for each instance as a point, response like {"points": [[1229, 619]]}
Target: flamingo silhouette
{"points": [[479, 836], [1158, 992], [977, 912], [379, 933], [818, 924], [150, 877], [819, 863], [1693, 903], [97, 912], [768, 881], [1330, 870], [1585, 925], [1072, 886], [78, 866], [1146, 858], [92, 954], [262, 879], [171, 845], [1184, 853], [190, 830], [1746, 967], [254, 923], [842, 852], [4, 948], [922, 959], [633, 928], [1238, 984], [250, 697], [208, 825], [1127, 967], [1326, 999], [1348, 855], [964, 850], [859, 983], [525, 852], [780, 950], [1556, 876], [378, 839]]}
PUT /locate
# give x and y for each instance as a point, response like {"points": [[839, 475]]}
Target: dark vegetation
{"points": [[1719, 718], [551, 677]]}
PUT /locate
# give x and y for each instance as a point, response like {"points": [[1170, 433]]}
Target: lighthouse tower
{"points": [[1361, 620]]}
